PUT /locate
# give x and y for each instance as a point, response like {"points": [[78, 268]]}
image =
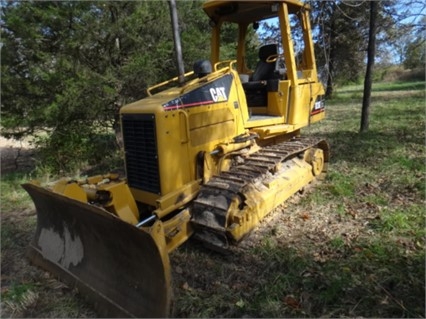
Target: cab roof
{"points": [[240, 11]]}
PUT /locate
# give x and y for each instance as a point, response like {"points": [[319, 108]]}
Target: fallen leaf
{"points": [[292, 302], [351, 212], [304, 216]]}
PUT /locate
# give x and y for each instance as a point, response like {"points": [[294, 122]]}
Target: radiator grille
{"points": [[140, 144]]}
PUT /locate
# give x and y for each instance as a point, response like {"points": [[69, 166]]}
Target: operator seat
{"points": [[256, 88], [265, 70]]}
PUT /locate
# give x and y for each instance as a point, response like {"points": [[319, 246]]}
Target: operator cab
{"points": [[280, 69]]}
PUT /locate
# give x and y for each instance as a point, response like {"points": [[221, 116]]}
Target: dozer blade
{"points": [[122, 270]]}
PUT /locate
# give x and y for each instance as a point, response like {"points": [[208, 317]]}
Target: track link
{"points": [[226, 191]]}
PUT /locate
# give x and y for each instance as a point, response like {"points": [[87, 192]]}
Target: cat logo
{"points": [[218, 94]]}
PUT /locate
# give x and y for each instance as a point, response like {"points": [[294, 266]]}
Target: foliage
{"points": [[398, 73], [340, 30], [341, 36], [68, 67], [410, 18], [415, 54], [340, 43]]}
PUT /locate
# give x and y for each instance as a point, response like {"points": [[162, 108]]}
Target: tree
{"points": [[339, 35], [414, 54], [408, 27], [371, 52], [68, 67], [382, 18]]}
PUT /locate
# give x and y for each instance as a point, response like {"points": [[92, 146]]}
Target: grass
{"points": [[353, 246], [381, 172], [359, 250], [13, 197]]}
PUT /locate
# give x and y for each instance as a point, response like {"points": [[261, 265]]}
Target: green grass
{"points": [[17, 293], [357, 90], [364, 252], [340, 185], [354, 246], [19, 297], [381, 176], [13, 197]]}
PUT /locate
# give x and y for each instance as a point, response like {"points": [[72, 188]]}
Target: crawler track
{"points": [[227, 191]]}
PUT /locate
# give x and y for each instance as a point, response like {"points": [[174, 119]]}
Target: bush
{"points": [[397, 73], [72, 150], [413, 75]]}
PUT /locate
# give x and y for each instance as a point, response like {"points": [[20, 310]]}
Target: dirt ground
{"points": [[15, 155], [251, 273], [193, 267]]}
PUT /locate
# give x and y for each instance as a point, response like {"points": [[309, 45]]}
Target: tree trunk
{"points": [[330, 85], [371, 52]]}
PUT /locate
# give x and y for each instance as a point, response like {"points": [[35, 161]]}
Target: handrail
{"points": [[231, 62], [148, 90], [211, 76]]}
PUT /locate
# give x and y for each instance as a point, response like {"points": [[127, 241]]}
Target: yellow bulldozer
{"points": [[205, 157]]}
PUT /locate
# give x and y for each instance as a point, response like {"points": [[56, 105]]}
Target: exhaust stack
{"points": [[176, 39]]}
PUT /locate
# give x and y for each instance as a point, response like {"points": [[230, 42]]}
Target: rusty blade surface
{"points": [[123, 271]]}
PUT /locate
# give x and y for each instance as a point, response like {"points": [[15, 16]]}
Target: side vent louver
{"points": [[140, 144]]}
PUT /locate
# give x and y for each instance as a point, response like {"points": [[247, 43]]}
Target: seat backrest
{"points": [[265, 70]]}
